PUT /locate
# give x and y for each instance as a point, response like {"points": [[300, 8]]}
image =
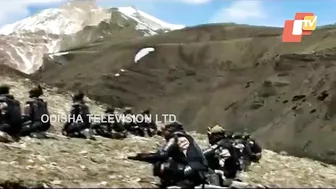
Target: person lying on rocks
{"points": [[35, 115], [180, 162], [109, 127], [222, 156], [78, 124], [10, 114]]}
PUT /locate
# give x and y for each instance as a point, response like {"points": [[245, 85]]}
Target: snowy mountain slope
{"points": [[25, 53], [24, 43], [146, 21], [74, 17], [69, 19]]}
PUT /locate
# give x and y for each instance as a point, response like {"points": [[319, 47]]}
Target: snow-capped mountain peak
{"points": [[25, 43], [74, 16], [69, 19], [148, 20]]}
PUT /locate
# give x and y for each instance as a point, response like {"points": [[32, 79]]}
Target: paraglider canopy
{"points": [[142, 53]]}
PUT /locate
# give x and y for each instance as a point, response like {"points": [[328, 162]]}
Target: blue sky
{"points": [[193, 12]]}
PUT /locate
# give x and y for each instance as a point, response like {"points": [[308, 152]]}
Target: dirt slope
{"points": [[63, 162], [240, 76]]}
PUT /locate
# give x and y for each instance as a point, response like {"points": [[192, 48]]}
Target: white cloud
{"points": [[242, 12], [13, 10]]}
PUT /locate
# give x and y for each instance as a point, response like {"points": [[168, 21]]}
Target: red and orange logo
{"points": [[303, 24]]}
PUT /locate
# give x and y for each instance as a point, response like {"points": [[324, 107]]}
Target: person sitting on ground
{"points": [[10, 114], [109, 128], [78, 124], [237, 141], [148, 126], [130, 125], [116, 125], [255, 147], [221, 155], [252, 151], [35, 115], [180, 162]]}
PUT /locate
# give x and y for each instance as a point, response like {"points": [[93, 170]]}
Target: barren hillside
{"points": [[240, 76], [63, 162]]}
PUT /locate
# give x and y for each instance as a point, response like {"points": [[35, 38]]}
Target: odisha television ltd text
{"points": [[110, 118]]}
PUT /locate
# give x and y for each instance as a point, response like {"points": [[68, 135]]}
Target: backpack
{"points": [[39, 109], [12, 115]]}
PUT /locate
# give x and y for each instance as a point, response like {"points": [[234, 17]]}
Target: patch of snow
{"points": [[142, 53], [60, 53], [73, 18], [53, 46], [24, 48], [66, 20], [148, 20], [26, 61], [117, 74]]}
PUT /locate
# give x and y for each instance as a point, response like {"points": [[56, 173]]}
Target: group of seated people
{"points": [[104, 128], [181, 162], [31, 123], [16, 123]]}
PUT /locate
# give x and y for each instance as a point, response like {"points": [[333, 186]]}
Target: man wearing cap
{"points": [[78, 124], [180, 161], [251, 152], [34, 111], [222, 155]]}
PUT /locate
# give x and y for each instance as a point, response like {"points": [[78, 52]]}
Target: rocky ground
{"points": [[102, 163], [64, 162], [242, 77]]}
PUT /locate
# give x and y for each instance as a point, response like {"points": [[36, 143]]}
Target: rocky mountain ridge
{"points": [[24, 43]]}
